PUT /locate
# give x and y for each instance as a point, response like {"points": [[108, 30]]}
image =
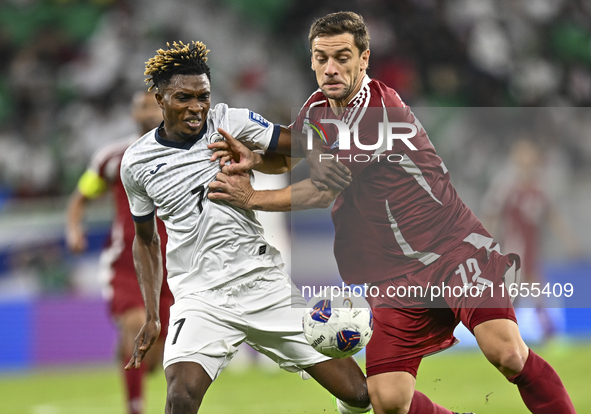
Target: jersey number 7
{"points": [[201, 191], [180, 323]]}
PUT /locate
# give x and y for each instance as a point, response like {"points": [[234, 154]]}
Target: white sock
{"points": [[345, 408]]}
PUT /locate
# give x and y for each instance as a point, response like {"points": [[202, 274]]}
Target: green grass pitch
{"points": [[459, 380]]}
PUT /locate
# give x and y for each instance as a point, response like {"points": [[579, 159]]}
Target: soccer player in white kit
{"points": [[227, 280]]}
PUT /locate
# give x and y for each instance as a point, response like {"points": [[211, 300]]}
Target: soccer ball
{"points": [[338, 327]]}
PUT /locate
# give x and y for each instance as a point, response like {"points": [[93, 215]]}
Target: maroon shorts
{"points": [[415, 314], [126, 295]]}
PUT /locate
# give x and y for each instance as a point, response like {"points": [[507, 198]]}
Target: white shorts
{"points": [[263, 308]]}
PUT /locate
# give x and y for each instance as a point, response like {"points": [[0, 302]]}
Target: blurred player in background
{"points": [[123, 291], [516, 209], [399, 225], [227, 280]]}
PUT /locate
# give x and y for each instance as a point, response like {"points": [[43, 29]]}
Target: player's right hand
{"points": [[143, 342], [76, 241], [328, 173], [243, 159]]}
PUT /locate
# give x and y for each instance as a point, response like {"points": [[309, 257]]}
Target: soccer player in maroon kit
{"points": [[398, 224], [125, 299], [516, 209]]}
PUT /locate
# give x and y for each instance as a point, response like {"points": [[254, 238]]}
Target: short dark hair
{"points": [[181, 59], [339, 23]]}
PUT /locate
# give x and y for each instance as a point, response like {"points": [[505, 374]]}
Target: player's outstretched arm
{"points": [[90, 186], [325, 173], [244, 159], [75, 234], [237, 190], [148, 267]]}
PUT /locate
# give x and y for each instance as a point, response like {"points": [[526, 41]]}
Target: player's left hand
{"points": [[235, 189], [143, 342], [232, 149], [328, 174]]}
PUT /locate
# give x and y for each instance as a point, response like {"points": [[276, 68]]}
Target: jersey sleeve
{"points": [[253, 130], [141, 206], [301, 123], [101, 172]]}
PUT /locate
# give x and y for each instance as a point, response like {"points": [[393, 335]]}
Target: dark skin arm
{"points": [[147, 259], [245, 160], [325, 174], [291, 143]]}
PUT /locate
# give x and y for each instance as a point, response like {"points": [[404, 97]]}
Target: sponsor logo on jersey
{"points": [[262, 249], [155, 170], [253, 116]]}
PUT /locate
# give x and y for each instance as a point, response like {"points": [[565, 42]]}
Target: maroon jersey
{"points": [[400, 213], [117, 256], [523, 208]]}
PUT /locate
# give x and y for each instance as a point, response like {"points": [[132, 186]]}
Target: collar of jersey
{"points": [[366, 80], [182, 145]]}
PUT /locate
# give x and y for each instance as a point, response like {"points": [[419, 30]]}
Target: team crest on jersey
{"points": [[253, 116], [215, 137]]}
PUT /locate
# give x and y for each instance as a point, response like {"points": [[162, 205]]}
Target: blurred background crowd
{"points": [[68, 69]]}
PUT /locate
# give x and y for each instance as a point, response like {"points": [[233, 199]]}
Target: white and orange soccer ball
{"points": [[338, 327]]}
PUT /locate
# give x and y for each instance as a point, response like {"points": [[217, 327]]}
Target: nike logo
{"points": [[157, 168]]}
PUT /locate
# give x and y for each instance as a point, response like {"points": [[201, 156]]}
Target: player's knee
{"points": [[182, 397], [359, 397], [344, 379], [391, 407], [390, 401], [509, 360], [357, 394], [180, 403], [180, 400]]}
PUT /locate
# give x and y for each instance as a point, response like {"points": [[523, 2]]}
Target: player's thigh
{"points": [[275, 322], [203, 332], [401, 335], [501, 343], [479, 282], [125, 293], [153, 359], [129, 323], [391, 392]]}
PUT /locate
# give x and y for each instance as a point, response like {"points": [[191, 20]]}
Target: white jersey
{"points": [[209, 243]]}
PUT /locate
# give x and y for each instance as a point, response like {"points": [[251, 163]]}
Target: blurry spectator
{"points": [[61, 61], [516, 208], [117, 266]]}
